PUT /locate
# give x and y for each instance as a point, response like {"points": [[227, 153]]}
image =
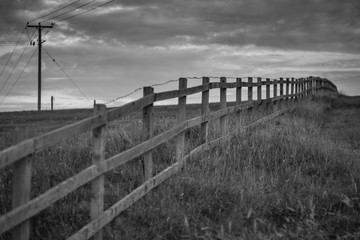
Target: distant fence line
{"points": [[286, 92]]}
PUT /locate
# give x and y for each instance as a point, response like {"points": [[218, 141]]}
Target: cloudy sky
{"points": [[126, 44]]}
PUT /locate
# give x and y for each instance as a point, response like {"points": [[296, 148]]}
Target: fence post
{"points": [[308, 86], [148, 126], [250, 97], [238, 101], [302, 88], [297, 89], [223, 119], [98, 156], [181, 116], [281, 93], [268, 95], [292, 90], [287, 91], [21, 186], [205, 111], [275, 102], [52, 103], [259, 94]]}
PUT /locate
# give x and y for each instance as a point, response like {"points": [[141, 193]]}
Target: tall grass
{"points": [[289, 178]]}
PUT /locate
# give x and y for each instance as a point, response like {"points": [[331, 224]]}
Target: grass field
{"points": [[296, 177]]}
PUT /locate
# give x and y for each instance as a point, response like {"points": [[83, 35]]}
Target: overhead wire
{"points": [[12, 52], [138, 89], [14, 83], [62, 14], [54, 11], [17, 62], [66, 18], [66, 75]]}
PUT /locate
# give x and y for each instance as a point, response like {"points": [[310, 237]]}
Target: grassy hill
{"points": [[296, 177]]}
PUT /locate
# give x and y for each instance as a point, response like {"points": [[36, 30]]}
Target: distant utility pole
{"points": [[39, 28], [52, 103]]}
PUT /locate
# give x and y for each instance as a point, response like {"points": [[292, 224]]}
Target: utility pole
{"points": [[39, 28], [52, 103]]}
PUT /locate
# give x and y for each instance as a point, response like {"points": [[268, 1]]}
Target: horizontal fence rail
{"points": [[285, 92]]}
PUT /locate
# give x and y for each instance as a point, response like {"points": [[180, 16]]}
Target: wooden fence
{"points": [[18, 155]]}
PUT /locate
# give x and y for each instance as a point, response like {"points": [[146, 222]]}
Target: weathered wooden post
{"points": [[297, 89], [268, 96], [223, 119], [21, 185], [307, 86], [287, 92], [281, 103], [98, 156], [148, 132], [260, 107], [205, 111], [292, 90], [238, 101], [52, 103], [302, 88], [275, 102], [181, 116], [250, 97]]}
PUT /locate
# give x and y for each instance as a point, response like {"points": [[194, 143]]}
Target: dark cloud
{"points": [[132, 43], [321, 25]]}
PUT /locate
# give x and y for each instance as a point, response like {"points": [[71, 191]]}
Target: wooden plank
{"points": [[90, 229], [204, 111], [25, 148], [181, 92], [98, 156], [130, 107], [21, 186], [181, 116], [14, 153], [215, 85], [148, 132], [223, 119]]}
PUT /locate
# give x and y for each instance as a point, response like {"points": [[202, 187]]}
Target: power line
{"points": [[7, 62], [22, 53], [32, 35], [66, 18], [138, 89], [66, 75], [54, 11], [69, 11], [27, 63]]}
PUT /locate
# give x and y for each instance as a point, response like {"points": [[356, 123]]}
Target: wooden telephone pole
{"points": [[39, 28]]}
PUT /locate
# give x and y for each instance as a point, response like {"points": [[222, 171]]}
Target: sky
{"points": [[124, 45]]}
